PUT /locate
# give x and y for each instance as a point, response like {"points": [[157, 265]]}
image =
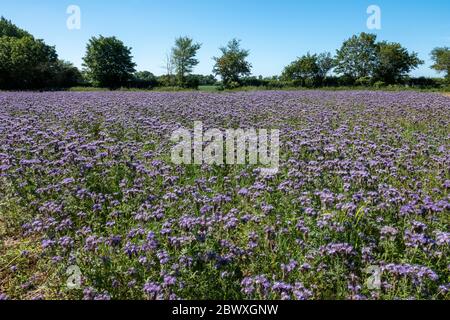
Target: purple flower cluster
{"points": [[417, 273]]}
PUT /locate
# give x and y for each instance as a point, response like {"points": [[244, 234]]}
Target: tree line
{"points": [[29, 63]]}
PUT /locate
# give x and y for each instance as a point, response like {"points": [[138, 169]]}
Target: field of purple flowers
{"points": [[86, 180]]}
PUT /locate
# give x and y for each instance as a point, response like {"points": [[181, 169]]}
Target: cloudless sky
{"points": [[275, 31]]}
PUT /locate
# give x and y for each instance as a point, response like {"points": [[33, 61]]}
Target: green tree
{"points": [[303, 71], [8, 29], [108, 62], [326, 63], [25, 62], [144, 80], [441, 58], [358, 56], [232, 65], [394, 62], [309, 70], [183, 58], [66, 75], [203, 80], [145, 76]]}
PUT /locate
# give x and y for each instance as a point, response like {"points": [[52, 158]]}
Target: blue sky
{"points": [[275, 31]]}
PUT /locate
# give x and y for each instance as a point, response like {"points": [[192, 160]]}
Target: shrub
{"points": [[379, 84], [144, 80], [363, 81], [192, 82]]}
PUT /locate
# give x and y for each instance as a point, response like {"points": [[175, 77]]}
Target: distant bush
{"points": [[144, 80], [171, 82], [166, 81], [423, 82], [66, 75], [379, 84], [252, 81], [346, 81], [191, 82], [233, 85], [278, 84], [363, 81], [208, 80], [330, 81]]}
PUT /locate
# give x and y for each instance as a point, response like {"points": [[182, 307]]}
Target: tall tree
{"points": [[108, 62], [25, 62], [303, 69], [183, 58], [168, 79], [310, 69], [357, 58], [394, 62], [8, 29], [168, 65], [441, 58], [325, 63], [232, 65]]}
